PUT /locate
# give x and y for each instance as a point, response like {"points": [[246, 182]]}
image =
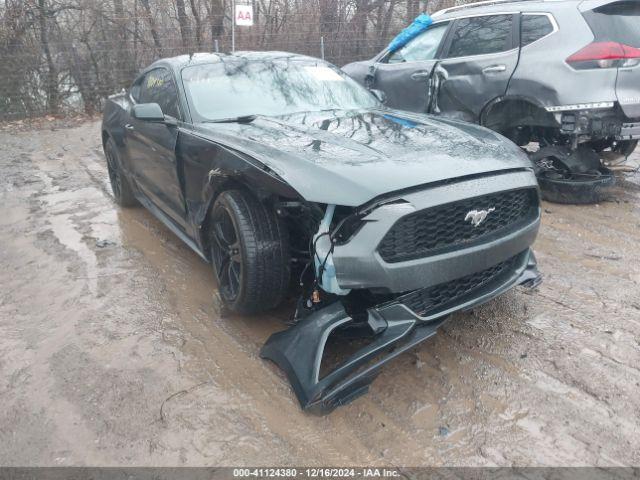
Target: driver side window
{"points": [[423, 47], [157, 86]]}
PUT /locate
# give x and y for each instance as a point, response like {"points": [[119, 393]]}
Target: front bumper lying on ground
{"points": [[395, 327]]}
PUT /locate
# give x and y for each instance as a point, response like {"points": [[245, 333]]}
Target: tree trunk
{"points": [[152, 26], [124, 64], [359, 25], [198, 23], [51, 83], [185, 28], [386, 23], [216, 19]]}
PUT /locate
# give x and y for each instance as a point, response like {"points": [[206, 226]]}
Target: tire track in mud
{"points": [[243, 343]]}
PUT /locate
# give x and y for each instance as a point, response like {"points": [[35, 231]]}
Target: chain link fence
{"points": [[65, 56]]}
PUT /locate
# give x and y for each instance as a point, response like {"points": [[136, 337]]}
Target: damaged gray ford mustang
{"points": [[285, 174]]}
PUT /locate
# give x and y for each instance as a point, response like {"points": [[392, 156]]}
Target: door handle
{"points": [[420, 75], [494, 69], [128, 126]]}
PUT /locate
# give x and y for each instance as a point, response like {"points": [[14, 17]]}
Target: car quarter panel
{"points": [[554, 82], [619, 21], [114, 118]]}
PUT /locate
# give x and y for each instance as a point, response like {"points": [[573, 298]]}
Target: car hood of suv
{"points": [[351, 157]]}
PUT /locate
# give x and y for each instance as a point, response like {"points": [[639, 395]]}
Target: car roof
{"points": [[179, 62], [506, 6]]}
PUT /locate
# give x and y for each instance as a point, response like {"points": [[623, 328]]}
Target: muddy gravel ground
{"points": [[113, 350]]}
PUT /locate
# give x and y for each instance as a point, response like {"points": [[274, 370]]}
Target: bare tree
{"points": [[185, 27], [51, 84], [57, 55], [152, 24], [195, 11]]}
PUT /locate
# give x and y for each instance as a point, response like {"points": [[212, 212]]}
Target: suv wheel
{"points": [[249, 253], [120, 186]]}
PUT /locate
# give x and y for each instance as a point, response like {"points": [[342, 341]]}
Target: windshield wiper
{"points": [[240, 119]]}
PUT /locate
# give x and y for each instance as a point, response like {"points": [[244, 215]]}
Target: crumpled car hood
{"points": [[350, 157]]}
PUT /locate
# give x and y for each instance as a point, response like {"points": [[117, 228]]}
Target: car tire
{"points": [[578, 190], [120, 186], [249, 253]]}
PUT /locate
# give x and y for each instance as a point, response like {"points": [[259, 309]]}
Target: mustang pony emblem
{"points": [[478, 216]]}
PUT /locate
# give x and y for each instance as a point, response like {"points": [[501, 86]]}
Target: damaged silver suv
{"points": [[279, 169], [563, 74]]}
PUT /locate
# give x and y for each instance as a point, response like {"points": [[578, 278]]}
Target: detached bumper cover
{"points": [[299, 350]]}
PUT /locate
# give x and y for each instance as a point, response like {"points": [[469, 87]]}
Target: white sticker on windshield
{"points": [[324, 73]]}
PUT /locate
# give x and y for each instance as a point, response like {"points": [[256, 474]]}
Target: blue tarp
{"points": [[419, 25]]}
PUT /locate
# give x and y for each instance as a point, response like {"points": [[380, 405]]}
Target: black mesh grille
{"points": [[431, 299], [444, 227]]}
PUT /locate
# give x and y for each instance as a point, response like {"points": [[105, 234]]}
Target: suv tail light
{"points": [[605, 55]]}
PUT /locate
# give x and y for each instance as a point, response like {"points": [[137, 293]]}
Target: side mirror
{"points": [[379, 94], [149, 112]]}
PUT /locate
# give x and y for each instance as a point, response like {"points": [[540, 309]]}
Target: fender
{"points": [[512, 116], [506, 98], [209, 167]]}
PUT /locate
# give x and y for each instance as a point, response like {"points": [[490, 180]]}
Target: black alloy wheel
{"points": [[226, 255], [249, 251], [120, 186]]}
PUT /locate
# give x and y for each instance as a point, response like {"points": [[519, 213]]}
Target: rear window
{"points": [[481, 35], [534, 27], [616, 22]]}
